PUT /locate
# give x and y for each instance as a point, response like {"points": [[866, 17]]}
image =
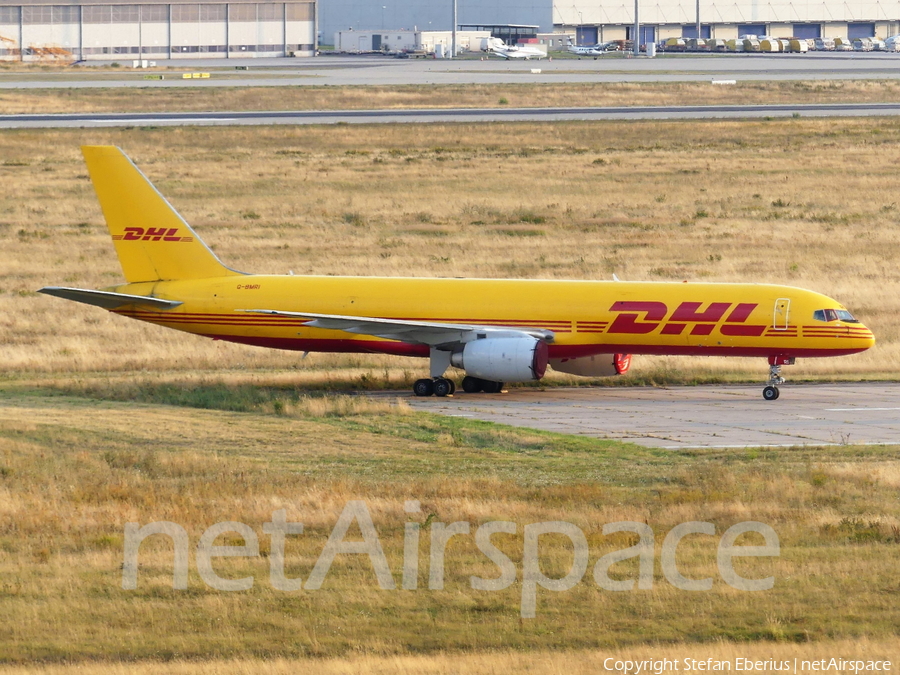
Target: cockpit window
{"points": [[845, 316], [834, 315]]}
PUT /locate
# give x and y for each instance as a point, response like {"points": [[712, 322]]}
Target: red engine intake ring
{"points": [[622, 362]]}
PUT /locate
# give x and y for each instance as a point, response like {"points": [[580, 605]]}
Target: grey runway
{"points": [[380, 70], [733, 416], [432, 115]]}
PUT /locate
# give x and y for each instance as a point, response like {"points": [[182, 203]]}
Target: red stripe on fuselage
{"points": [[556, 351]]}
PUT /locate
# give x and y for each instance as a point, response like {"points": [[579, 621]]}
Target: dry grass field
{"points": [[800, 202], [310, 97], [105, 421], [73, 471], [580, 662]]}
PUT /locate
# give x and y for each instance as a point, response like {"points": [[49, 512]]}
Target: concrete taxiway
{"points": [[733, 416]]}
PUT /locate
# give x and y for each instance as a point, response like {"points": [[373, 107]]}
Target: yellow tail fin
{"points": [[152, 241]]}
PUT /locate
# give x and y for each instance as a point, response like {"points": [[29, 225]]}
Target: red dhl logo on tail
{"points": [[641, 318], [151, 234]]}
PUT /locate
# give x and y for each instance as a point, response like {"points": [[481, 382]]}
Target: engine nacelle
{"points": [[599, 365], [513, 359]]}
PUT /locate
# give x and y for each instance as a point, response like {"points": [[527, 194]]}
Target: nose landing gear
{"points": [[770, 391]]}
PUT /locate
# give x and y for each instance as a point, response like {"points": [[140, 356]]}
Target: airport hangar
{"points": [[593, 21], [108, 29], [67, 30]]}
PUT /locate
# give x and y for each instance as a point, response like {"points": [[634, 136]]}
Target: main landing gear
{"points": [[770, 391], [441, 386], [472, 385], [438, 386]]}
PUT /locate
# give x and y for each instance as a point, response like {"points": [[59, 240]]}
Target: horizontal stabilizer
{"points": [[107, 299]]}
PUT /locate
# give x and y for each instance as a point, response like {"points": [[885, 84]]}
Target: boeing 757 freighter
{"points": [[494, 330]]}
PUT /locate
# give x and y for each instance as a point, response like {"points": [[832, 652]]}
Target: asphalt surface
{"points": [[445, 115], [695, 417], [382, 70]]}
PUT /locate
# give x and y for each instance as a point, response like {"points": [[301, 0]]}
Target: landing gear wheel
{"points": [[452, 387], [490, 387], [423, 387], [442, 387], [770, 393], [472, 385]]}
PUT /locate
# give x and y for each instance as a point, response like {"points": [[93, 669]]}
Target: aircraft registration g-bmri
{"points": [[495, 330]]}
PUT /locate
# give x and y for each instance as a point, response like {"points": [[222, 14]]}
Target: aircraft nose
{"points": [[870, 340], [865, 336]]}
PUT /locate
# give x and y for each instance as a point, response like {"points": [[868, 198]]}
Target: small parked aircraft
{"points": [[592, 50], [499, 48], [495, 330]]}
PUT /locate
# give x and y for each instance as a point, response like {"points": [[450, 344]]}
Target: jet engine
{"points": [[514, 359], [598, 365]]}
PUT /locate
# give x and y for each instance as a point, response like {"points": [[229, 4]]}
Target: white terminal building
{"points": [[432, 41], [601, 20], [94, 29]]}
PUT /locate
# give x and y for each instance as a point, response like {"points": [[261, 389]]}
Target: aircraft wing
{"points": [[107, 299], [416, 332]]}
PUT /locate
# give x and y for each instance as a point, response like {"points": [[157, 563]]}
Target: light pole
{"points": [[698, 20], [383, 7], [453, 34], [637, 31]]}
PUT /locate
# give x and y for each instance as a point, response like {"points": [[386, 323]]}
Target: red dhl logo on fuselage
{"points": [[641, 318], [151, 234]]}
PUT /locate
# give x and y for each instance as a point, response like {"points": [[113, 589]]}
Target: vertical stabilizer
{"points": [[152, 240]]}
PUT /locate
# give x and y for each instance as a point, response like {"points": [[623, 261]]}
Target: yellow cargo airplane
{"points": [[494, 330]]}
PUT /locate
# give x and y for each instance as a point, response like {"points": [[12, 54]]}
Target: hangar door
{"points": [[691, 31], [648, 34], [751, 29], [860, 30], [807, 31], [586, 35]]}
